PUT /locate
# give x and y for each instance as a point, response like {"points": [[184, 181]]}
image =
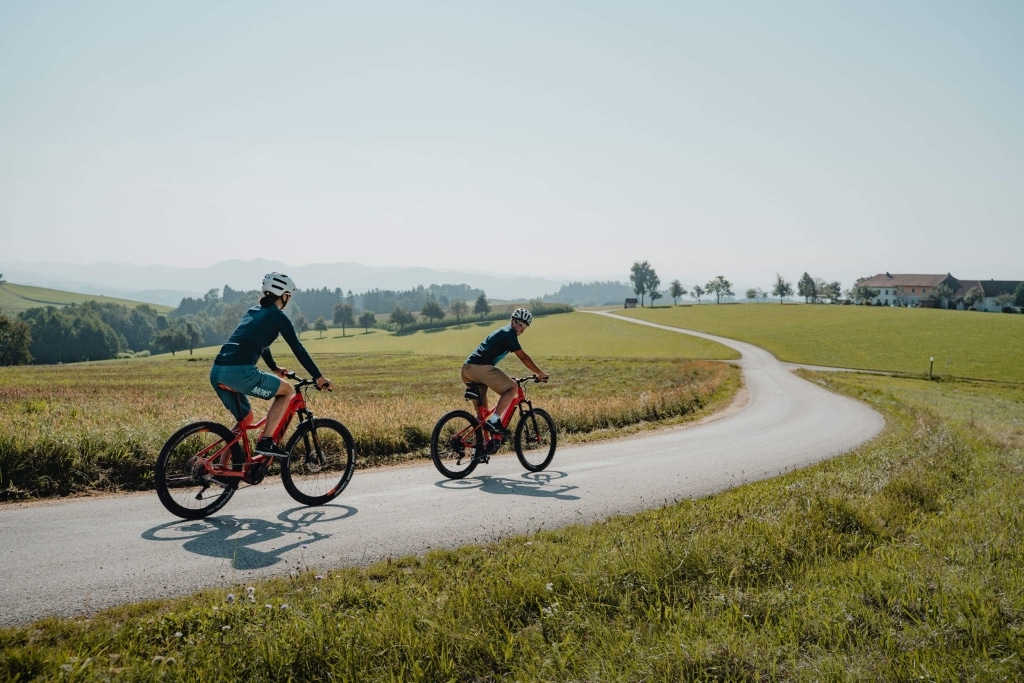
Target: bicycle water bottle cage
{"points": [[472, 392]]}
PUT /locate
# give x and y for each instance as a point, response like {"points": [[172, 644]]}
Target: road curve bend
{"points": [[75, 557]]}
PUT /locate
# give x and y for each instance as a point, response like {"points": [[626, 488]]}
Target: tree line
{"points": [[100, 331], [646, 284]]}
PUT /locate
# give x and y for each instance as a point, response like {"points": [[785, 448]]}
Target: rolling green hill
{"points": [[17, 298]]}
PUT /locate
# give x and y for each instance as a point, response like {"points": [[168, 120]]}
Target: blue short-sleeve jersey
{"points": [[496, 346]]}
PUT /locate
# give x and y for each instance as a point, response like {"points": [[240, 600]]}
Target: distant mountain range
{"points": [[167, 285]]}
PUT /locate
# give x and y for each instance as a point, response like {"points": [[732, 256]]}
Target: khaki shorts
{"points": [[488, 375]]}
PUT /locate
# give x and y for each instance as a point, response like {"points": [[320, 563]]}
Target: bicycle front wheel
{"points": [[323, 457], [181, 480], [454, 443], [535, 439]]}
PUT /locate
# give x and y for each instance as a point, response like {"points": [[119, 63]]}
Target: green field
{"points": [[900, 561], [17, 298], [903, 340], [569, 335], [76, 428]]}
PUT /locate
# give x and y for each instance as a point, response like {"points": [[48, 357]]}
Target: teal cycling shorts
{"points": [[243, 381]]}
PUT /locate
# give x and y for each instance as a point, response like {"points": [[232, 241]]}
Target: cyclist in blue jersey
{"points": [[480, 368], [235, 365]]}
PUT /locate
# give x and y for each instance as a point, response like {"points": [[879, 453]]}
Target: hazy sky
{"points": [[559, 139]]}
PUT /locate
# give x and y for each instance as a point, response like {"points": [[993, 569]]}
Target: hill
{"points": [[16, 298]]}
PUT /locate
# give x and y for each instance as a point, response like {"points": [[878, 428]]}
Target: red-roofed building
{"points": [[912, 290]]}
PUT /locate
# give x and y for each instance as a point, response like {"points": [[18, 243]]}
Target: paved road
{"points": [[72, 558]]}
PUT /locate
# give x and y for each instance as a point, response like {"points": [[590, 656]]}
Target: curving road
{"points": [[75, 557]]}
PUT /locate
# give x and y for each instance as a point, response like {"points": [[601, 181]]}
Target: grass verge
{"points": [[899, 561]]}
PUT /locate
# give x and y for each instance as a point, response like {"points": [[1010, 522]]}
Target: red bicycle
{"points": [[460, 441], [204, 463]]}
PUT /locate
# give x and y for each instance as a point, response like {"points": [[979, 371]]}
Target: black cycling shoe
{"points": [[495, 429], [266, 446]]}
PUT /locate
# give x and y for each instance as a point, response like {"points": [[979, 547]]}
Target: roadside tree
{"points": [[751, 294], [320, 325], [782, 288], [676, 290], [719, 287], [644, 279], [1018, 295], [698, 292]]}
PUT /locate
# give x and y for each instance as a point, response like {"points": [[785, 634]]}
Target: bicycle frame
{"points": [[219, 462], [483, 412]]}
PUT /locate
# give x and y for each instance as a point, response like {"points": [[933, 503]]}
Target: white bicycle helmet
{"points": [[278, 283], [522, 314]]}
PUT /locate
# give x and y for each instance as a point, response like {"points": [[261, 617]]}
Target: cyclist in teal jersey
{"points": [[235, 365], [480, 368]]}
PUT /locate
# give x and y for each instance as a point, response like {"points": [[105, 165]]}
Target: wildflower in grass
{"points": [[550, 587], [178, 634], [231, 598], [319, 577], [252, 593], [225, 627]]}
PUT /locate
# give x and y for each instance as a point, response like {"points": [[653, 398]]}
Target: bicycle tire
{"points": [[535, 440], [452, 455], [181, 483], [323, 457]]}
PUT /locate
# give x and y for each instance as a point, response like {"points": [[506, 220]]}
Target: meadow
{"points": [[86, 427], [899, 561], [17, 298], [966, 344]]}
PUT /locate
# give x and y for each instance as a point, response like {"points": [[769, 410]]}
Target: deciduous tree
{"points": [[15, 341], [806, 288], [782, 288], [432, 311], [676, 290], [459, 309], [482, 307], [719, 287], [643, 278], [344, 315], [367, 320]]}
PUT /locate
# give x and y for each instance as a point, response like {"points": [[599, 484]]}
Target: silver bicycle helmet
{"points": [[522, 314], [278, 283]]}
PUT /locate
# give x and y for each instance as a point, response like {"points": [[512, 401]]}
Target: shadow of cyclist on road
{"points": [[237, 539], [535, 484]]}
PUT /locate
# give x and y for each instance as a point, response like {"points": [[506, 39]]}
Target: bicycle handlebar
{"points": [[531, 378], [302, 381]]}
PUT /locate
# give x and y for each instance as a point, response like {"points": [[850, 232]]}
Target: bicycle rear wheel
{"points": [[453, 444], [535, 439], [323, 457], [181, 482]]}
